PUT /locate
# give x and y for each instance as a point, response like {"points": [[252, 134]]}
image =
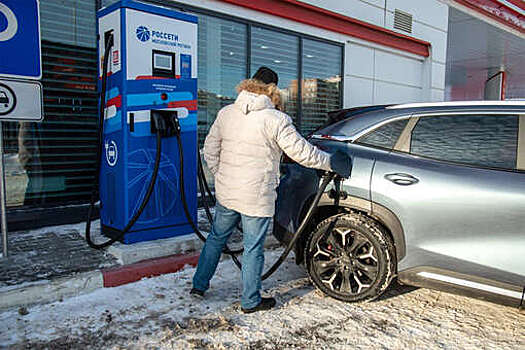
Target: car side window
{"points": [[480, 140], [385, 136]]}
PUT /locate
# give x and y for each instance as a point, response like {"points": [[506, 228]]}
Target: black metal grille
{"points": [[57, 157]]}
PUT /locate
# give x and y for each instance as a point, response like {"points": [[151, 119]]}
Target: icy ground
{"points": [[157, 313]]}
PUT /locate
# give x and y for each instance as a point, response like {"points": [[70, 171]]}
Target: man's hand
{"points": [[341, 164]]}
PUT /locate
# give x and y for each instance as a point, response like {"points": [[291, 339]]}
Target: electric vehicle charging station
{"points": [[148, 61], [151, 74]]}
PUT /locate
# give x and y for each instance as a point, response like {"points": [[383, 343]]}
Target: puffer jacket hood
{"points": [[244, 146], [250, 102]]}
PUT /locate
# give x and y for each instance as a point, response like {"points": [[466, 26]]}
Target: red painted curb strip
{"points": [[118, 276]]}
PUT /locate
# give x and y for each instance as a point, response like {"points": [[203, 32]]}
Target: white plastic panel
{"points": [[438, 75], [398, 69], [358, 92], [393, 93], [437, 95], [359, 60]]}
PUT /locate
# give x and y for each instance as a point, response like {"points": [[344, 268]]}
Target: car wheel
{"points": [[350, 257]]}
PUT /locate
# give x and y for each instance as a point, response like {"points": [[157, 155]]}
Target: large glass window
{"points": [[221, 66], [279, 52], [483, 140], [321, 83]]}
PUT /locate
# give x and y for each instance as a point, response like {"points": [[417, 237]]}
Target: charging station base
{"points": [[148, 234]]}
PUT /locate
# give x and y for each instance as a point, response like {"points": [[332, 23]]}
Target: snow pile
{"points": [[158, 313]]}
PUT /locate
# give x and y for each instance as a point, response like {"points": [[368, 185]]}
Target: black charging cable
{"points": [[182, 192], [160, 127]]}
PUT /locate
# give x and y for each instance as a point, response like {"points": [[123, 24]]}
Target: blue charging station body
{"points": [[152, 66]]}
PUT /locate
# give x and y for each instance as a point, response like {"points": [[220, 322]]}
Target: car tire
{"points": [[350, 257]]}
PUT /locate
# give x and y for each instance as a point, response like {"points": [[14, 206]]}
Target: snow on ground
{"points": [[158, 313]]}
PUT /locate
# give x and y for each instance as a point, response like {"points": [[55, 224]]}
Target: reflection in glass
{"points": [[489, 140], [221, 66], [321, 83], [385, 136], [279, 52]]}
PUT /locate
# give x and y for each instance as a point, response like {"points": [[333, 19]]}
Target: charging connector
{"points": [[167, 122]]}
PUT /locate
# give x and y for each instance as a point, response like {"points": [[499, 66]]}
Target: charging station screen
{"points": [[162, 61]]}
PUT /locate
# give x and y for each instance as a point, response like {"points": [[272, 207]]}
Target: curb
{"points": [[50, 291], [63, 287], [117, 276], [83, 283]]}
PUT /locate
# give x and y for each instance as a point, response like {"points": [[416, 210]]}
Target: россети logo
{"points": [[143, 33]]}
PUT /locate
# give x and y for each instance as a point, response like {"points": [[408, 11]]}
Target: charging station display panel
{"points": [[163, 64], [162, 41]]}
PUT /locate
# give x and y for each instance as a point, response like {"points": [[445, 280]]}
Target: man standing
{"points": [[243, 151]]}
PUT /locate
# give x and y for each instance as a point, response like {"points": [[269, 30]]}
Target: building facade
{"points": [[329, 54]]}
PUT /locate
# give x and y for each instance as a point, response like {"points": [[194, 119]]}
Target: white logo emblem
{"points": [[12, 23], [111, 153]]}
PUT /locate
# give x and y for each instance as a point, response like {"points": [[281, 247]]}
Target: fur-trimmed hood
{"points": [[255, 95]]}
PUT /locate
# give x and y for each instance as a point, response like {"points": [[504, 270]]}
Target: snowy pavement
{"points": [[157, 313]]}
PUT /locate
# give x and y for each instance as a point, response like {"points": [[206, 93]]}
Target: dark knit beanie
{"points": [[266, 75]]}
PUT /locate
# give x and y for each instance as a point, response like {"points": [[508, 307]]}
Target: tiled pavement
{"points": [[49, 253], [60, 251]]}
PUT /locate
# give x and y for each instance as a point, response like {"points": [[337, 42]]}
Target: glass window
{"points": [[68, 21], [489, 141], [321, 83], [279, 52], [221, 65], [385, 136]]}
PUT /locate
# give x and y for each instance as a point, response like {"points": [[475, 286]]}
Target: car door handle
{"points": [[402, 179]]}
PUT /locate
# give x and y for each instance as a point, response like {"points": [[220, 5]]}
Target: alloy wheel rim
{"points": [[345, 261]]}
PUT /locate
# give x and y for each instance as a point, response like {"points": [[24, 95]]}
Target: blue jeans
{"points": [[254, 229]]}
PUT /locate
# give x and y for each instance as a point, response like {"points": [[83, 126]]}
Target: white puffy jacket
{"points": [[243, 151]]}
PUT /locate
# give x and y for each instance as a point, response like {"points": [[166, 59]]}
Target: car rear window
{"points": [[482, 140], [386, 135]]}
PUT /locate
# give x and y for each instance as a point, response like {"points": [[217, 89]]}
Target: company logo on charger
{"points": [[157, 37], [143, 33]]}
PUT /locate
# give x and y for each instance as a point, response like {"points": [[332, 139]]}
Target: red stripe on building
{"points": [[335, 22], [115, 101], [191, 105], [498, 12]]}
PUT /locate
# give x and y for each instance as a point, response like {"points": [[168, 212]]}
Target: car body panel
{"points": [[462, 226], [467, 213]]}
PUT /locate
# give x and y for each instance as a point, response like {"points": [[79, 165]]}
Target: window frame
{"points": [[519, 152]]}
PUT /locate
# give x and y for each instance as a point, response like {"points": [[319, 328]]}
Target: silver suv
{"points": [[436, 198]]}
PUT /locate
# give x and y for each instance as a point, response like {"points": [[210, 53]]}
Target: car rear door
{"points": [[459, 193]]}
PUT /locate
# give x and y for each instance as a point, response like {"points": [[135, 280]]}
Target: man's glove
{"points": [[341, 164]]}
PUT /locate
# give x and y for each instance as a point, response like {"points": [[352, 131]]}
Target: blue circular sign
{"points": [[143, 33]]}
